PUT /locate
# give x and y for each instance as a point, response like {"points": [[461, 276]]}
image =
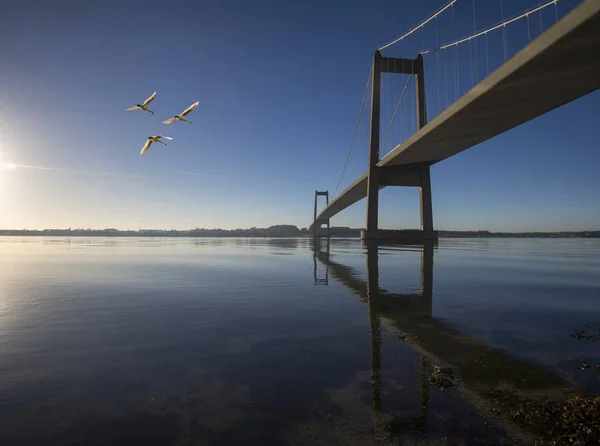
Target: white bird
{"points": [[152, 139], [181, 117], [144, 105]]}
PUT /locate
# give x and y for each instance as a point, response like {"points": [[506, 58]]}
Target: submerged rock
{"points": [[442, 377]]}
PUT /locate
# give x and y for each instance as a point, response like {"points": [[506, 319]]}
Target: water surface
{"points": [[148, 341]]}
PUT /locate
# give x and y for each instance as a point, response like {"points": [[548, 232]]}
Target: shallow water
{"points": [[148, 341]]}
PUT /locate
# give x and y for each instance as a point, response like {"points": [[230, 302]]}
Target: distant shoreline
{"points": [[279, 231]]}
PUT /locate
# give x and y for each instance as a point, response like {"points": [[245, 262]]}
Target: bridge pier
{"points": [[426, 204]]}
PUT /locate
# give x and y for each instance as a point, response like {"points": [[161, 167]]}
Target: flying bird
{"points": [[152, 139], [181, 117], [144, 105]]}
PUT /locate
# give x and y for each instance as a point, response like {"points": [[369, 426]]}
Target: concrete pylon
{"points": [[425, 188], [317, 224], [373, 171], [378, 177]]}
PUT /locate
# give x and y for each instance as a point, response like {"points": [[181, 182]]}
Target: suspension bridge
{"points": [[473, 98]]}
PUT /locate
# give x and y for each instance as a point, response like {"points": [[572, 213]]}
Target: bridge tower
{"points": [[317, 224], [416, 175]]}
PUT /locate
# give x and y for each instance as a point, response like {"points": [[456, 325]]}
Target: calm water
{"points": [[125, 341]]}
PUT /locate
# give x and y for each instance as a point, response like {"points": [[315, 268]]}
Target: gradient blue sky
{"points": [[280, 85]]}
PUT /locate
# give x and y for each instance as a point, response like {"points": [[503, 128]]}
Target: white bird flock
{"points": [[157, 138]]}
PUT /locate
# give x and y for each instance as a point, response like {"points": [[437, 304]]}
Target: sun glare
{"points": [[8, 166], [4, 165], [5, 168]]}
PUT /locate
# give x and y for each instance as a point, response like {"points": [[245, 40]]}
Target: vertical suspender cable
{"points": [[476, 52], [541, 19], [446, 75], [437, 69], [503, 31], [487, 58]]}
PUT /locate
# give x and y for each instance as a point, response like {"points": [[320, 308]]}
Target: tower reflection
{"points": [[486, 375]]}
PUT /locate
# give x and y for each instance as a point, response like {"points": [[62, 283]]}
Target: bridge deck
{"points": [[558, 67]]}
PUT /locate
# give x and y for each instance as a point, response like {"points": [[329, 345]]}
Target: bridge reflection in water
{"points": [[497, 384]]}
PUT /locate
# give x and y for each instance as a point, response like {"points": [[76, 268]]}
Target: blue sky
{"points": [[279, 84]]}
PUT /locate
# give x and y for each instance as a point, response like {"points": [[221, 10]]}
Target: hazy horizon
{"points": [[275, 225]]}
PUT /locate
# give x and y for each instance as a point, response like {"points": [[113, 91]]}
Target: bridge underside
{"points": [[558, 67]]}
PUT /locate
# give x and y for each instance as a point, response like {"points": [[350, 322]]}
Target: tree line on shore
{"points": [[276, 231]]}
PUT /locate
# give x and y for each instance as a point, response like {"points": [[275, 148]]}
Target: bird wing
{"points": [[148, 142], [168, 121], [161, 136], [150, 99], [190, 108], [132, 108]]}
